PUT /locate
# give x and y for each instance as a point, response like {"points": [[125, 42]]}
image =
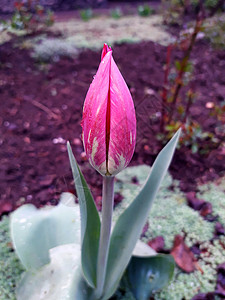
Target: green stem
{"points": [[107, 210]]}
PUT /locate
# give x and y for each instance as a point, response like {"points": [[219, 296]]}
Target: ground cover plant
{"points": [[203, 283], [45, 112]]}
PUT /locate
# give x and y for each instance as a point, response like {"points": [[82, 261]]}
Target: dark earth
{"points": [[41, 108]]}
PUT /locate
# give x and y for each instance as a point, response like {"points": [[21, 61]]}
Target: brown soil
{"points": [[41, 108]]}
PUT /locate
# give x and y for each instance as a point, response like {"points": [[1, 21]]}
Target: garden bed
{"points": [[41, 109]]}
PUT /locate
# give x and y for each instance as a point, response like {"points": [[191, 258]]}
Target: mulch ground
{"points": [[41, 108]]}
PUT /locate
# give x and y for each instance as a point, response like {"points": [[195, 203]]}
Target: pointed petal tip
{"points": [[105, 50]]}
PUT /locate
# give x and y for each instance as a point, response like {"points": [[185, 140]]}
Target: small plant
{"points": [[116, 13], [31, 17], [214, 31], [86, 14], [192, 135], [172, 11], [68, 252], [177, 106], [211, 3], [145, 10], [218, 111], [173, 105]]}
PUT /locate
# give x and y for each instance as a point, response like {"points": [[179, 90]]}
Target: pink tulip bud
{"points": [[109, 122]]}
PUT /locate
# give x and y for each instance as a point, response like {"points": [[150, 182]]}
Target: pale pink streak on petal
{"points": [[123, 122], [94, 116]]}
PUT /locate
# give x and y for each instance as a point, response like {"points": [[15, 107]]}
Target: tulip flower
{"points": [[109, 122]]}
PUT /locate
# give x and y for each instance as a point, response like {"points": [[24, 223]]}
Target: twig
{"points": [[183, 66], [189, 102], [165, 86], [42, 107]]}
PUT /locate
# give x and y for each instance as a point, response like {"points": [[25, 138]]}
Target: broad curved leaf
{"points": [[35, 231], [149, 274], [60, 279], [129, 225], [90, 222]]}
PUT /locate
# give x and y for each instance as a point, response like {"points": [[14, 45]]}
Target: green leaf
{"points": [[35, 231], [188, 67], [149, 274], [129, 225], [60, 279], [194, 148], [90, 223], [178, 65]]}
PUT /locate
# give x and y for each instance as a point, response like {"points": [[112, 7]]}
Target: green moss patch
{"points": [[186, 286], [170, 214], [10, 266]]}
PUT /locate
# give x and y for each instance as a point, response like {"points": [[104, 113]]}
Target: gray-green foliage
{"points": [[35, 231], [183, 285], [10, 267], [90, 222], [49, 278]]}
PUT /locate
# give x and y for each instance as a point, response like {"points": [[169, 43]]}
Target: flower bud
{"points": [[109, 122]]}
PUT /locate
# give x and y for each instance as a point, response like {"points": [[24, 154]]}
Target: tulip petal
{"points": [[123, 122], [109, 122], [94, 116]]}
